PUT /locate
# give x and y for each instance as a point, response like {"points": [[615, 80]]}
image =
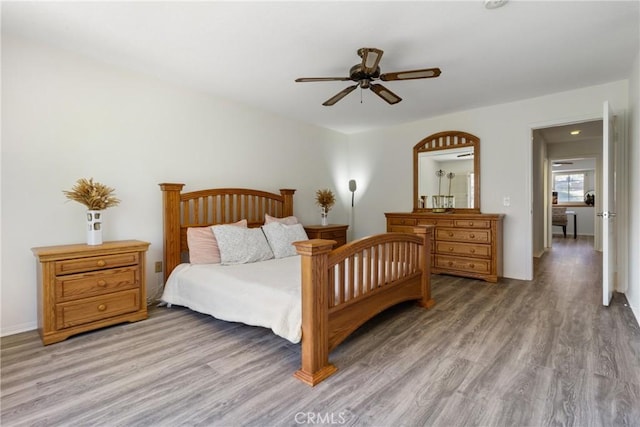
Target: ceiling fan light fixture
{"points": [[368, 71]]}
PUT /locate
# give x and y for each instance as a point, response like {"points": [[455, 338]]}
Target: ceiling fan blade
{"points": [[337, 97], [385, 94], [323, 79], [410, 75], [370, 59]]}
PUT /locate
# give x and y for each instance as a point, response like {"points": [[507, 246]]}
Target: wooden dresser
{"points": [[337, 232], [82, 287], [468, 245]]}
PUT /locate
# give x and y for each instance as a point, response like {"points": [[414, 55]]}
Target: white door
{"points": [[608, 206]]}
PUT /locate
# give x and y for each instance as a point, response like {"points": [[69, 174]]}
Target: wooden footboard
{"points": [[343, 288]]}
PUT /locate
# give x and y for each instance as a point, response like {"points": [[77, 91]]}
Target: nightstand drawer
{"points": [[79, 265], [88, 310], [481, 235], [85, 285], [333, 235]]}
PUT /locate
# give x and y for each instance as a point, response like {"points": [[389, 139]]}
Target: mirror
{"points": [[446, 173]]}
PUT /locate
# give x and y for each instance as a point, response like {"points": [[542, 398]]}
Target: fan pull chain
{"points": [[360, 95]]}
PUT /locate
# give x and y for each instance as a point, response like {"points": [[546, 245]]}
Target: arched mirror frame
{"points": [[445, 141]]}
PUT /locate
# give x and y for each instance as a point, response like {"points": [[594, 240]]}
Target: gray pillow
{"points": [[281, 236], [241, 245]]}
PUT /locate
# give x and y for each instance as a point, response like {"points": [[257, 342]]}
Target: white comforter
{"points": [[265, 293]]}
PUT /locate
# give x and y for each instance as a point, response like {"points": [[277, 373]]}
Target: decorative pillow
{"points": [[203, 246], [281, 237], [289, 220], [241, 245]]}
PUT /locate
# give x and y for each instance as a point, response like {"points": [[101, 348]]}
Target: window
{"points": [[570, 186]]}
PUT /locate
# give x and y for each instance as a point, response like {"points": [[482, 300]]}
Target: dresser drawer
{"points": [[402, 221], [461, 235], [436, 222], [465, 249], [400, 229], [471, 223], [79, 265], [89, 310], [480, 266], [75, 286]]}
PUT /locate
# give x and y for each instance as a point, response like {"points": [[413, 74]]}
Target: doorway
{"points": [[566, 157]]}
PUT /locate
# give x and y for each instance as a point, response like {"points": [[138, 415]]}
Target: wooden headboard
{"points": [[210, 207]]}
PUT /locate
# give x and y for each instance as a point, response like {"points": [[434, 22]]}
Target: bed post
{"points": [[315, 365], [426, 232], [287, 206], [171, 224]]}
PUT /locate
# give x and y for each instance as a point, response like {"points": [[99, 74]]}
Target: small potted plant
{"points": [[325, 199]]}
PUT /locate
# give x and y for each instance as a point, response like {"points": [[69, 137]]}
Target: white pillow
{"points": [[281, 236], [241, 245], [288, 220], [203, 246]]}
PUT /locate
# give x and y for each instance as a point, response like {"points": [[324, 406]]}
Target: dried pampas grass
{"points": [[325, 199], [93, 195]]}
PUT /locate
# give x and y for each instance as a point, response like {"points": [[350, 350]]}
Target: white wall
{"points": [[506, 159], [65, 117]]}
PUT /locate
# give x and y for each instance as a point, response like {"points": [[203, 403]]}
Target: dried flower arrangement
{"points": [[325, 199], [93, 195]]}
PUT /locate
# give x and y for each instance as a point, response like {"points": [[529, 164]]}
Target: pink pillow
{"points": [[203, 246], [289, 220]]}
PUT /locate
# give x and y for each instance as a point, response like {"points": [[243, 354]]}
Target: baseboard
{"points": [[636, 313], [17, 329]]}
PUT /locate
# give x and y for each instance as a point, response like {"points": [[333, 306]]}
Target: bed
{"points": [[333, 292]]}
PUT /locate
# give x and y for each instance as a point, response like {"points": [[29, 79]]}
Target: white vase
{"points": [[94, 227], [324, 216]]}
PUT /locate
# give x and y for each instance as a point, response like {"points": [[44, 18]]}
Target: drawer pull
{"points": [[470, 223], [450, 234], [473, 236], [472, 250], [450, 264], [472, 265], [450, 249], [102, 283], [101, 263], [102, 307]]}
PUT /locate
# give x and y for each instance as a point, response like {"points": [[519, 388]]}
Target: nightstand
{"points": [[337, 232], [83, 287]]}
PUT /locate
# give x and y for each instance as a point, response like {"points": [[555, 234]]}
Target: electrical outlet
{"points": [[158, 266], [506, 201]]}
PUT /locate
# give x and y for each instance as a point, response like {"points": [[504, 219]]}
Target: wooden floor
{"points": [[519, 353]]}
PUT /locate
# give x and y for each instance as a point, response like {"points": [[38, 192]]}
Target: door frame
{"points": [[621, 185]]}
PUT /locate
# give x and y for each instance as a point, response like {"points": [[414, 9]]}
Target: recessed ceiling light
{"points": [[575, 132], [494, 4]]}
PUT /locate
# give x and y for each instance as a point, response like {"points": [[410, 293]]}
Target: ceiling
{"points": [[589, 132], [252, 52]]}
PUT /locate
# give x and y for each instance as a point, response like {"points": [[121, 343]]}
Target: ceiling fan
{"points": [[368, 71]]}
